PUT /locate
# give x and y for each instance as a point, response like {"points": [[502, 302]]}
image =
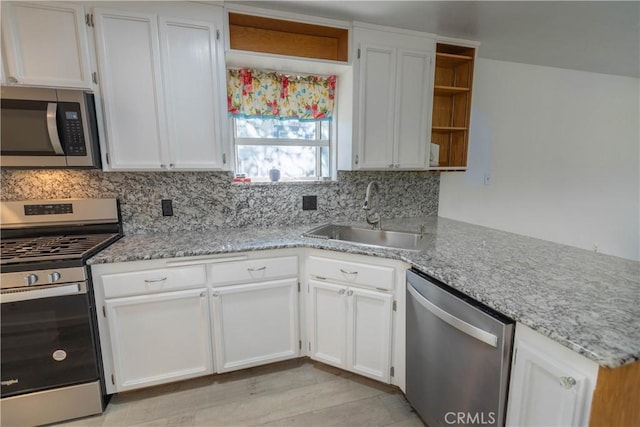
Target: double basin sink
{"points": [[369, 237]]}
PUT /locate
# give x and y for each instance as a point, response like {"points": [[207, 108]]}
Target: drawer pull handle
{"points": [[348, 272], [257, 269], [155, 280], [342, 291]]}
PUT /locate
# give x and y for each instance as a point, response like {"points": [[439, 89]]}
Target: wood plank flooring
{"points": [[293, 393]]}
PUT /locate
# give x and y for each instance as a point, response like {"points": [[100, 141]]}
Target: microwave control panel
{"points": [[70, 124]]}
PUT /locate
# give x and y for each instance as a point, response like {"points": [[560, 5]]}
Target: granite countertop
{"points": [[586, 301]]}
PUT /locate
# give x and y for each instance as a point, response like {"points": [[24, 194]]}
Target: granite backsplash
{"points": [[208, 200]]}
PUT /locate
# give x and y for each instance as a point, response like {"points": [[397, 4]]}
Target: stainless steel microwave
{"points": [[48, 128]]}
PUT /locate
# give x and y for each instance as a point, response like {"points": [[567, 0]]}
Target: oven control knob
{"points": [[32, 279], [54, 277]]}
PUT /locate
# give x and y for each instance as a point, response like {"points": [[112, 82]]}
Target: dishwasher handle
{"points": [[459, 324]]}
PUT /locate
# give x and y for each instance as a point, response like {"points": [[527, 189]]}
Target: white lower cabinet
{"points": [[349, 326], [255, 323], [369, 333], [550, 384], [159, 338], [328, 317], [172, 319], [167, 320]]}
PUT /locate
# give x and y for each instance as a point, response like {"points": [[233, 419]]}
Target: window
{"points": [[299, 150], [282, 122]]}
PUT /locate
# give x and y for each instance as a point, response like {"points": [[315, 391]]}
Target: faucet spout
{"points": [[373, 215]]}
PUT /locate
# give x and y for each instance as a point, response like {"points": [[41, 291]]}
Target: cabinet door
{"points": [[369, 333], [159, 338], [546, 392], [328, 321], [129, 63], [46, 44], [255, 324], [414, 95], [190, 74], [376, 107]]}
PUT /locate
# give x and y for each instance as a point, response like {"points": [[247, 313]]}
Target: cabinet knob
{"points": [[567, 382], [12, 79], [215, 294], [202, 294], [391, 166], [163, 166], [349, 293], [397, 166], [342, 291], [171, 165]]}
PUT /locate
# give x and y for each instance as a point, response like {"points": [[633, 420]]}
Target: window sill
{"points": [[276, 183]]}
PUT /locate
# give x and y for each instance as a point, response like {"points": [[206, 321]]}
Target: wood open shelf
{"points": [[452, 104], [450, 58], [450, 90], [277, 36], [447, 129]]}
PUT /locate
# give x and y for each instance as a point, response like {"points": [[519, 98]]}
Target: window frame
{"points": [[289, 142]]}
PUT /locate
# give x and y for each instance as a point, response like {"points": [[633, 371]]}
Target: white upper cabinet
{"points": [[129, 62], [394, 95], [162, 80], [46, 44], [188, 50]]}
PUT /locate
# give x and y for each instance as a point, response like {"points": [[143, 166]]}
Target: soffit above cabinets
{"points": [[602, 37]]}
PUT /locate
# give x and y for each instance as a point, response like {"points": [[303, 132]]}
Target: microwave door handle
{"points": [[52, 127]]}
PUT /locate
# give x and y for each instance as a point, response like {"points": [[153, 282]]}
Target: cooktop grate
{"points": [[50, 248]]}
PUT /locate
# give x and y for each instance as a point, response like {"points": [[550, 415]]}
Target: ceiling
{"points": [[596, 36]]}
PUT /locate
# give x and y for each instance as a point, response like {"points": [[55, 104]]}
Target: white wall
{"points": [[562, 148]]}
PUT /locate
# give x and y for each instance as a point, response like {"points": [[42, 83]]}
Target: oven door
{"points": [[47, 339]]}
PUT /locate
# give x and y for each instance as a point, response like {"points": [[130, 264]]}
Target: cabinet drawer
{"points": [[351, 272], [153, 281], [253, 270]]}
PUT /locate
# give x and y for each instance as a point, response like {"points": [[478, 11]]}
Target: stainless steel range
{"points": [[50, 359]]}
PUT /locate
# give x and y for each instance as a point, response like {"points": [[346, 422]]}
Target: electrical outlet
{"points": [[487, 178], [309, 203], [167, 207]]}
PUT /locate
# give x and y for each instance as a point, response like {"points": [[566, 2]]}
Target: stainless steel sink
{"points": [[369, 237]]}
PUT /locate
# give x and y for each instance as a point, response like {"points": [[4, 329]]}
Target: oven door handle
{"points": [[48, 292]]}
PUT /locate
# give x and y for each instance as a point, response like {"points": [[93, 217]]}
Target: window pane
{"points": [[324, 130], [293, 162], [272, 128], [324, 160]]}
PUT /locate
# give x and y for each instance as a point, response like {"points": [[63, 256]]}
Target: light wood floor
{"points": [[294, 393]]}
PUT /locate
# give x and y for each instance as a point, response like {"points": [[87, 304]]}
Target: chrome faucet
{"points": [[373, 216]]}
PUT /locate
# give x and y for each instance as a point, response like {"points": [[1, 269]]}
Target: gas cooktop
{"points": [[50, 248], [48, 234]]}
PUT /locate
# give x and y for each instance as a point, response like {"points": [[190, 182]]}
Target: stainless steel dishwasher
{"points": [[458, 356]]}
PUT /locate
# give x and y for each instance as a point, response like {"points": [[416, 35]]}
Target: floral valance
{"points": [[255, 93]]}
